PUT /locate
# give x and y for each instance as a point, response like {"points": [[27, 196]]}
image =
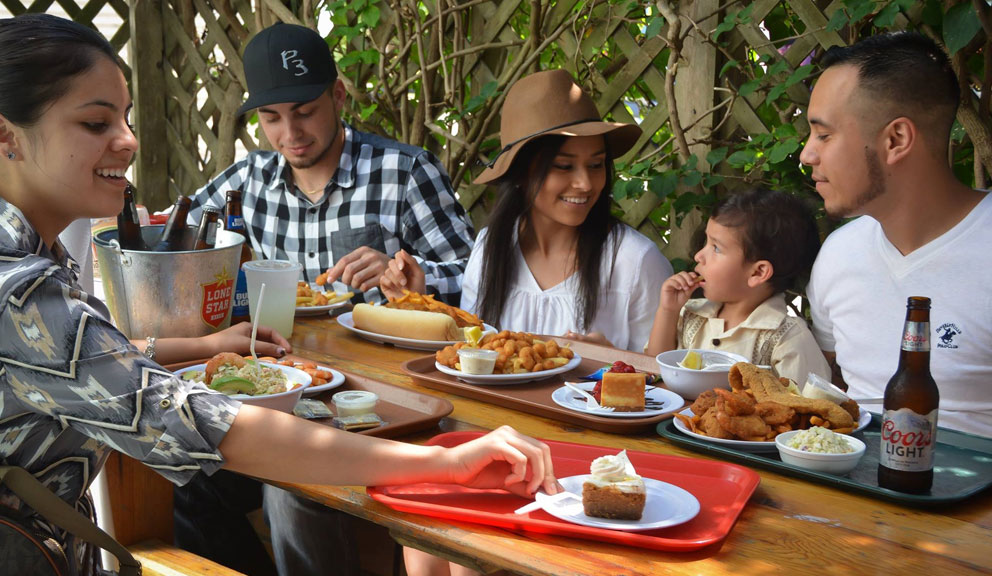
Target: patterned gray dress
{"points": [[72, 387]]}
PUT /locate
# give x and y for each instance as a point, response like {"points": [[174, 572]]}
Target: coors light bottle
{"points": [[909, 420]]}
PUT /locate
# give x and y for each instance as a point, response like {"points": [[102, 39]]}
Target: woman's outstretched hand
{"points": [[590, 337], [506, 459], [237, 339]]}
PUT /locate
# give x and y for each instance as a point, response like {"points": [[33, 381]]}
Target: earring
{"points": [[11, 155]]}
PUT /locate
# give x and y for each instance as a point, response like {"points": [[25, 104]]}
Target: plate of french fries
{"points": [[313, 300]]}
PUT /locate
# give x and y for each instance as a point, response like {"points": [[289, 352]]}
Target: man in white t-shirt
{"points": [[880, 119]]}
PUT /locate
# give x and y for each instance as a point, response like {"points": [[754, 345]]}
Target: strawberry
{"points": [[622, 368]]}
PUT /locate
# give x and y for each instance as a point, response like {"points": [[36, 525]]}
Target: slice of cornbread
{"points": [[623, 392]]}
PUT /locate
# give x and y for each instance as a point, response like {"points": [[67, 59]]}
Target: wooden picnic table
{"points": [[788, 525]]}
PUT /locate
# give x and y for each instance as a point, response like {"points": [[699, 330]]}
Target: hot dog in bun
{"points": [[413, 324]]}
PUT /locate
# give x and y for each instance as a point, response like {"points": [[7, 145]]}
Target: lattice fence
{"points": [[105, 15]]}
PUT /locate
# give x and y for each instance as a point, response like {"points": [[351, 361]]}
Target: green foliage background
{"points": [[368, 41]]}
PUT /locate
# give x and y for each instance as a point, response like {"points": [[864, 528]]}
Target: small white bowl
{"points": [[281, 401], [819, 462], [689, 383], [354, 402]]}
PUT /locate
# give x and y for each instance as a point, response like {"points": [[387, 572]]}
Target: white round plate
{"points": [[666, 505], [570, 399], [746, 446], [348, 323], [336, 380], [507, 379], [318, 310]]}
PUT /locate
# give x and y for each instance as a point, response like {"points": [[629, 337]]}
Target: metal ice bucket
{"points": [[168, 294]]}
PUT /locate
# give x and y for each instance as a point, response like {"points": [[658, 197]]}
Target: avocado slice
{"points": [[232, 385]]}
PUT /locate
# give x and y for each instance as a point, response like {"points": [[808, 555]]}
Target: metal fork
{"points": [[591, 403]]}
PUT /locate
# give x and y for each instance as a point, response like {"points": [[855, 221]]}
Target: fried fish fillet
{"points": [[765, 387], [703, 402]]}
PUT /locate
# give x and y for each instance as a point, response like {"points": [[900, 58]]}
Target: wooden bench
{"points": [[160, 559], [141, 503]]}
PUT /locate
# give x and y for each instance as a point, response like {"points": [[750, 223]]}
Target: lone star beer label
{"points": [[216, 299]]}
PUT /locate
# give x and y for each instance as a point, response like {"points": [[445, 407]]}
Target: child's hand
{"points": [[677, 290]]}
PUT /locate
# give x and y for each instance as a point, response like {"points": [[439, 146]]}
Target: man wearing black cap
{"points": [[329, 196]]}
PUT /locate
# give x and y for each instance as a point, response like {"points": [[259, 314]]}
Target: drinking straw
{"points": [[254, 322]]}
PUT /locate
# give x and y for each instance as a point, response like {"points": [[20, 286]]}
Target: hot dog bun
{"points": [[413, 324]]}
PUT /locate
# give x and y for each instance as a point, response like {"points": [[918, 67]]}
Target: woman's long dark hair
{"points": [[39, 56], [515, 198]]}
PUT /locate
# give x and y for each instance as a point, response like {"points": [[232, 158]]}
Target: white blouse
{"points": [[628, 298]]}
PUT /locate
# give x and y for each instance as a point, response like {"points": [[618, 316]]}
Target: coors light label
{"points": [[908, 439], [916, 338]]}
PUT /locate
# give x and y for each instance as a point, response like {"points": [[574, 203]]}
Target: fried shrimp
{"points": [[219, 360]]}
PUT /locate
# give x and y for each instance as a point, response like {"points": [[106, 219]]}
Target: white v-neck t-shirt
{"points": [[858, 291], [628, 299]]}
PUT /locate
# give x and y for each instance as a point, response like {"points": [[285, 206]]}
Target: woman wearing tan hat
{"points": [[553, 259]]}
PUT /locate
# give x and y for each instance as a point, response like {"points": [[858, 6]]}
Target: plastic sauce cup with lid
{"points": [[477, 360], [354, 402]]}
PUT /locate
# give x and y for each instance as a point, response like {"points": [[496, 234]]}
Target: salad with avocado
{"points": [[232, 374]]}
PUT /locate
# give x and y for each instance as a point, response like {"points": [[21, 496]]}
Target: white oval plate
{"points": [[318, 310], [665, 505], [336, 380], [569, 399], [347, 322], [769, 446], [507, 379]]}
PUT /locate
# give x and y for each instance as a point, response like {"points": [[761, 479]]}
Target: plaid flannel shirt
{"points": [[384, 194]]}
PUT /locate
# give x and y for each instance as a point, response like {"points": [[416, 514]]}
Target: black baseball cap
{"points": [[286, 63]]}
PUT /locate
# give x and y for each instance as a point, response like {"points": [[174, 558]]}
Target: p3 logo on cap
{"points": [[289, 57]]}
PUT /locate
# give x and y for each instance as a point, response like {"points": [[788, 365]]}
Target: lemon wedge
{"points": [[692, 360], [793, 388], [472, 335]]}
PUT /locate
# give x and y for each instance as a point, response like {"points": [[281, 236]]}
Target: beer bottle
{"points": [[175, 235], [206, 234], [128, 225], [235, 222], [909, 419]]}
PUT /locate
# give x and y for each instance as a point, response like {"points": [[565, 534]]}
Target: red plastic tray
{"points": [[722, 490]]}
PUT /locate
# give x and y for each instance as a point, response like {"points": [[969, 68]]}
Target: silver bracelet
{"points": [[150, 348]]}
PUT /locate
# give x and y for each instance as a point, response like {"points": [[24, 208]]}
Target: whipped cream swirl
{"points": [[613, 468]]}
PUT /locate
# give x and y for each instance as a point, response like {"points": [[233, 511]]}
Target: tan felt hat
{"points": [[547, 103]]}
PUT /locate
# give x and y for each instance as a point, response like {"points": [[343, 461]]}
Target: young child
{"points": [[759, 243]]}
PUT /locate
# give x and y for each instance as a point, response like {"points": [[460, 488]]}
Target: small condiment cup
{"points": [[477, 360], [354, 402]]}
